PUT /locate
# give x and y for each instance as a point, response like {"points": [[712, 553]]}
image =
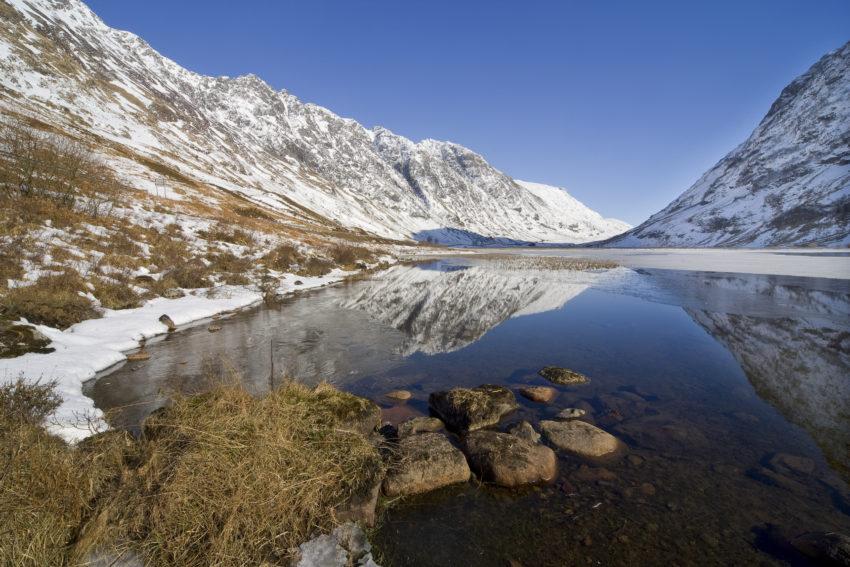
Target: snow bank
{"points": [[91, 346]]}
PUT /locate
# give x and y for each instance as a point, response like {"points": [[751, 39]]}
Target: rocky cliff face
{"points": [[62, 66], [787, 184]]}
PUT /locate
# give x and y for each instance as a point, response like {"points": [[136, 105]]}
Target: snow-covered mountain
{"points": [[61, 65], [787, 184]]}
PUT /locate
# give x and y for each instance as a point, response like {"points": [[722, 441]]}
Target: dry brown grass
{"points": [[115, 294], [222, 478], [348, 257], [47, 490], [315, 267], [53, 300], [229, 479], [282, 257], [220, 232]]}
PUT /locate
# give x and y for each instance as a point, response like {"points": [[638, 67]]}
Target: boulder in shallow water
{"points": [[580, 437], [508, 460], [563, 376], [464, 409], [524, 430], [539, 394], [424, 462], [420, 424]]}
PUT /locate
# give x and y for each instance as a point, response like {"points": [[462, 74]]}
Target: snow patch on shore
{"points": [[91, 346]]}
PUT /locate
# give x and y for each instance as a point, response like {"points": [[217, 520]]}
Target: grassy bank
{"points": [[222, 478]]}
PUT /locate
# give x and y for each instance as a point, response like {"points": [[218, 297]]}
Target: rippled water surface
{"points": [[732, 392]]}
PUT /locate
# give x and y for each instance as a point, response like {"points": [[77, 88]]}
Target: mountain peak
{"points": [[787, 184]]}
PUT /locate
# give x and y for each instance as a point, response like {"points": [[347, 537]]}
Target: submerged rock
{"points": [[465, 409], [138, 356], [563, 376], [524, 430], [580, 438], [828, 548], [419, 425], [399, 395], [508, 460], [570, 413], [540, 394], [425, 462]]}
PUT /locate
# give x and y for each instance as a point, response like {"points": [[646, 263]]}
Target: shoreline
{"points": [[93, 348]]}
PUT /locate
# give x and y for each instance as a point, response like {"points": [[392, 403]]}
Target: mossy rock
{"points": [[467, 409], [563, 376]]}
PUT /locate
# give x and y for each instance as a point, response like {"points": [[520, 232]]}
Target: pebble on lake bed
{"points": [[540, 394]]}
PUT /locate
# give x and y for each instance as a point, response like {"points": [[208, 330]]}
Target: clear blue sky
{"points": [[624, 103]]}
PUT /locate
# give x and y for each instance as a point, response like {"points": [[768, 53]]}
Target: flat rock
{"points": [[425, 462], [464, 409], [563, 376], [540, 394], [508, 460], [420, 425], [580, 438], [524, 430], [400, 395], [570, 413]]}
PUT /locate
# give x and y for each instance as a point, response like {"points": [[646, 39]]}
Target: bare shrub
{"points": [[49, 166]]}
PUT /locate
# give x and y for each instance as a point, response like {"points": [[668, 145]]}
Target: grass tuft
{"points": [[53, 300], [227, 478]]}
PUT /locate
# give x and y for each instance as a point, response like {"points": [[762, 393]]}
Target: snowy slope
{"points": [[61, 64], [787, 184]]}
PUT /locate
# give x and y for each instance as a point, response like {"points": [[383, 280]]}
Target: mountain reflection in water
{"points": [[789, 335]]}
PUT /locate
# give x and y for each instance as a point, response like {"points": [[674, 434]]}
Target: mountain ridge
{"points": [[65, 66]]}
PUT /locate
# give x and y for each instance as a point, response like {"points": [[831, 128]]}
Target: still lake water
{"points": [[732, 392]]}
